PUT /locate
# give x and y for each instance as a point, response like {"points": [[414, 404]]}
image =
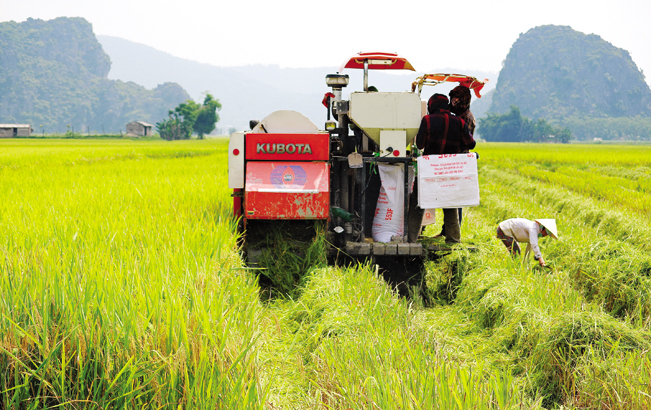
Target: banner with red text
{"points": [[448, 181]]}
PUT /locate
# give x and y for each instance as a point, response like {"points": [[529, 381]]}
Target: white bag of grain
{"points": [[388, 220]]}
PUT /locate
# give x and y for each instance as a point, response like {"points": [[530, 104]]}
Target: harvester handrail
{"points": [[437, 78]]}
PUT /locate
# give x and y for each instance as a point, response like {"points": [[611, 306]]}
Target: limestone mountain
{"points": [[555, 72], [55, 74]]}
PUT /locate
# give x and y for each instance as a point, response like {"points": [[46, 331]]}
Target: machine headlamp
{"points": [[330, 125]]}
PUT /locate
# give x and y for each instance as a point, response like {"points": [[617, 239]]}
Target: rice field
{"points": [[122, 286]]}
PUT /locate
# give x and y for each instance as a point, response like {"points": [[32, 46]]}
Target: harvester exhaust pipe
{"points": [[366, 75], [337, 82]]}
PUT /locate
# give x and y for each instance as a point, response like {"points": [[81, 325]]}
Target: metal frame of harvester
{"points": [[287, 169]]}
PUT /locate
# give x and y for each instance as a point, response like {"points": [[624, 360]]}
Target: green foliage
{"points": [[513, 127], [188, 117], [170, 129], [566, 329], [349, 343], [556, 72], [207, 116], [179, 124]]}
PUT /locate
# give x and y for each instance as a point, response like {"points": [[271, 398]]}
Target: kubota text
{"points": [[265, 148]]}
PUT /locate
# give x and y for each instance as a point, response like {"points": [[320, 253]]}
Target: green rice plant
{"points": [[369, 372], [520, 305], [597, 386], [332, 305], [640, 174], [285, 251], [507, 154], [631, 194], [498, 303], [617, 277], [123, 286], [526, 312], [120, 279], [619, 284], [565, 341], [446, 275], [358, 346]]}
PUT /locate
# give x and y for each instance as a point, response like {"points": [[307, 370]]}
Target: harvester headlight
{"points": [[330, 125]]}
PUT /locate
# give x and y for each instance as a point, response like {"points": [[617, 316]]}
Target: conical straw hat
{"points": [[550, 226]]}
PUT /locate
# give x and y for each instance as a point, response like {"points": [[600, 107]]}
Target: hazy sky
{"points": [[302, 33]]}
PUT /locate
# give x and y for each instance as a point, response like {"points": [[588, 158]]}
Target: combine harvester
{"points": [[286, 170]]}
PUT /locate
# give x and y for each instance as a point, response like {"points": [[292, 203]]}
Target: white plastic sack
{"points": [[448, 181], [389, 212]]}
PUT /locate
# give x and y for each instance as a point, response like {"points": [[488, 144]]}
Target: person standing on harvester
{"points": [[440, 133], [460, 106], [515, 230]]}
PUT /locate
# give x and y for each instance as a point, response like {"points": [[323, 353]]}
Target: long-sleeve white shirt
{"points": [[523, 230]]}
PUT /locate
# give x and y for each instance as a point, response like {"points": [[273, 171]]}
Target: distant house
{"points": [[15, 130], [139, 128]]}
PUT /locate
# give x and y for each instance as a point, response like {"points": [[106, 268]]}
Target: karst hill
{"points": [[53, 75], [555, 72]]}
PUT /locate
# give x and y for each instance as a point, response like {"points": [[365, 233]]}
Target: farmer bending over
{"points": [[523, 230]]}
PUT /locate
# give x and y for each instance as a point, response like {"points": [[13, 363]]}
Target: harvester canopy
{"points": [[433, 79], [378, 61]]}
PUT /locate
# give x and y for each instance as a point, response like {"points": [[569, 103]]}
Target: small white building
{"points": [[15, 130], [139, 128]]}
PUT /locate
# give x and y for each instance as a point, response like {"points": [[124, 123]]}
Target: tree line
{"points": [[584, 128], [513, 127], [190, 117]]}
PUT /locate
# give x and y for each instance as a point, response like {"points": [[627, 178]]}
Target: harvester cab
{"points": [[286, 169]]}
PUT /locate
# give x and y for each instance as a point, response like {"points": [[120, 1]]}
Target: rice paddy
{"points": [[123, 286]]}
